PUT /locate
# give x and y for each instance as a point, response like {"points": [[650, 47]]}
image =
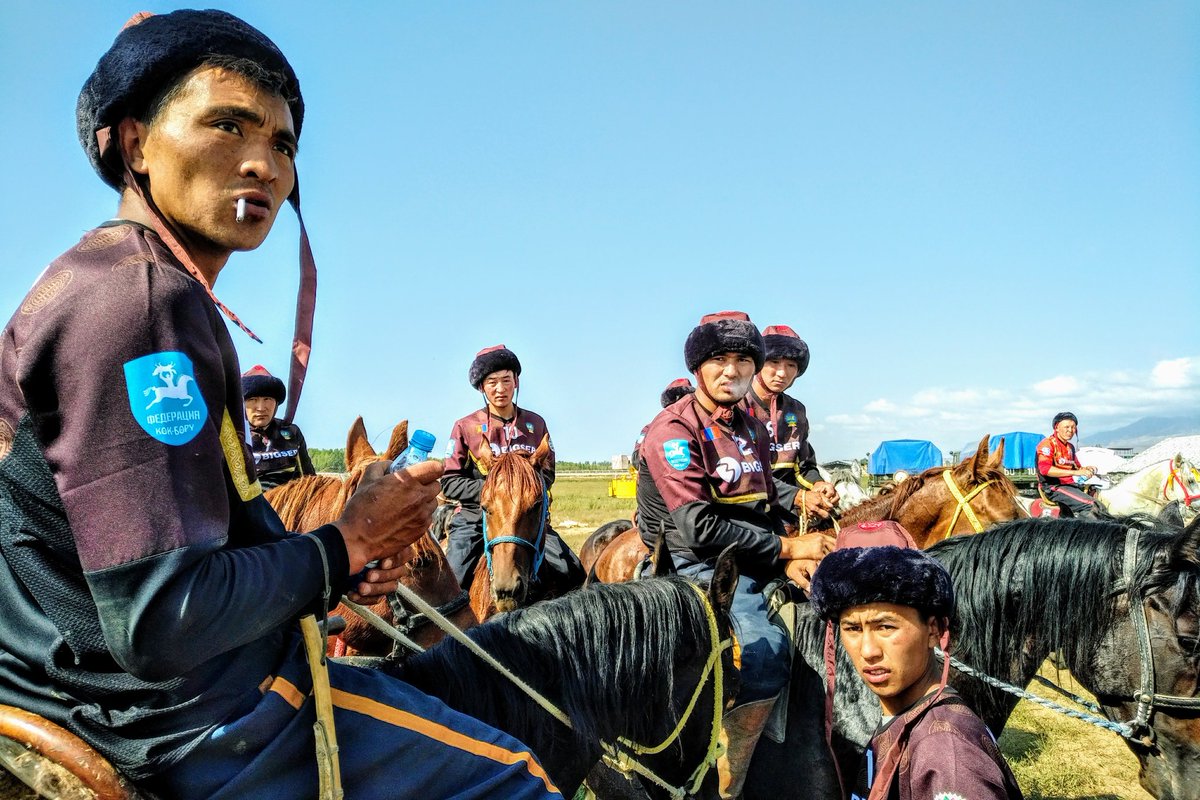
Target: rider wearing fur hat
{"points": [[793, 461], [706, 486], [892, 606], [280, 452], [495, 373], [1059, 470], [152, 597]]}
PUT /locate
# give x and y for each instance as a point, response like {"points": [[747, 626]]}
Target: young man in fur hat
{"points": [[892, 606], [1059, 470], [280, 452], [675, 390], [706, 485], [793, 461], [151, 595], [496, 374]]}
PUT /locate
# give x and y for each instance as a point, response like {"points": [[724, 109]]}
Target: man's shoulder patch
{"points": [[678, 453], [164, 398]]}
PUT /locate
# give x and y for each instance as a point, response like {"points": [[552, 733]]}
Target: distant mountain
{"points": [[1144, 432]]}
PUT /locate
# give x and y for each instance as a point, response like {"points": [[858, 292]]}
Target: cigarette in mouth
{"points": [[241, 209]]}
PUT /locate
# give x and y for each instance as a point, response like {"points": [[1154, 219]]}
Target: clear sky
{"points": [[976, 214]]}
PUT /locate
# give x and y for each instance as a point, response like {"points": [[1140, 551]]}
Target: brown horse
{"points": [[947, 501], [314, 500], [516, 511]]}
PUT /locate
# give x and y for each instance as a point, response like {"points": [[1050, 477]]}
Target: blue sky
{"points": [[976, 214]]}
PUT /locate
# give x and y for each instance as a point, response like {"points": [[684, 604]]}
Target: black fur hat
{"points": [[1060, 416], [150, 54], [257, 382], [856, 576], [492, 359], [780, 341], [723, 332], [675, 390]]}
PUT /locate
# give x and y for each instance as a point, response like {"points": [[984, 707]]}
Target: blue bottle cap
{"points": [[422, 440]]}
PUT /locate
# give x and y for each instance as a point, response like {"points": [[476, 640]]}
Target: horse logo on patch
{"points": [[176, 409], [790, 419], [678, 453]]}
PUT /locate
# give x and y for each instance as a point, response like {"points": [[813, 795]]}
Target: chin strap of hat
{"points": [[306, 299]]}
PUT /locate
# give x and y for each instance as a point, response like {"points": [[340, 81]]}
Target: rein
{"points": [[538, 545], [964, 503], [1136, 730], [621, 756], [1177, 477]]}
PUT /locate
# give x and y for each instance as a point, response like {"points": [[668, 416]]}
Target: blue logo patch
{"points": [[790, 419], [164, 397], [450, 448], [678, 454]]}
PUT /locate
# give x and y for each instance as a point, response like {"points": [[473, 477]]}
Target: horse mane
{"points": [[887, 506], [513, 475], [297, 498], [1059, 575], [584, 651]]}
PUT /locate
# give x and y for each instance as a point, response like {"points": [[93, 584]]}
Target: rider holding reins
{"points": [[706, 486], [1059, 468]]}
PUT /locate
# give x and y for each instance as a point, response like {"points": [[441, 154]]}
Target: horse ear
{"points": [[997, 458], [981, 454], [724, 580], [484, 455], [542, 453], [1188, 547], [358, 446], [661, 558], [399, 440]]}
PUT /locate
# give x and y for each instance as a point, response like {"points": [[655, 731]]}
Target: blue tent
{"points": [[1020, 448], [911, 455]]}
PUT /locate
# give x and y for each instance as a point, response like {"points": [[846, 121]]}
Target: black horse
{"points": [[1025, 589], [623, 661]]}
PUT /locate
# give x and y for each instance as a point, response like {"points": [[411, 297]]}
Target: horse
{"points": [[311, 501], [516, 513], [1150, 490], [627, 663], [845, 475], [1119, 599], [600, 539], [945, 501]]}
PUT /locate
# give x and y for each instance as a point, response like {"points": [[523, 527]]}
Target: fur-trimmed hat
{"points": [[723, 332], [780, 341], [257, 382], [675, 390], [1060, 416], [150, 54], [856, 576], [492, 359]]}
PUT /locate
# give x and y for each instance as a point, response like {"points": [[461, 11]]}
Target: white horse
{"points": [[176, 390], [1153, 488], [845, 477]]}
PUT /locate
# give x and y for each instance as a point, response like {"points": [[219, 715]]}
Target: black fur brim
{"points": [[263, 386], [674, 393], [777, 346], [857, 576], [488, 363], [723, 336]]}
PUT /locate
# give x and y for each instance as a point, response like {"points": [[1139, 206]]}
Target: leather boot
{"points": [[740, 731]]}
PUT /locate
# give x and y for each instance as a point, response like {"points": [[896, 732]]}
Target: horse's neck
{"points": [[1140, 492]]}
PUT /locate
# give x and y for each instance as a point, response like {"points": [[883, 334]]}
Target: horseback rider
{"points": [[280, 452], [1059, 470], [892, 607], [496, 373], [675, 390], [705, 487], [793, 461], [151, 594]]}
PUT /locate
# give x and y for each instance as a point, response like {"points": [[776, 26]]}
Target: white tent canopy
{"points": [[1189, 446], [1103, 459]]}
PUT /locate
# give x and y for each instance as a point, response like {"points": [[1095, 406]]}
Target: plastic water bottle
{"points": [[420, 445]]}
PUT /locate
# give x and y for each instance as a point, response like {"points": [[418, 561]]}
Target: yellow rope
{"points": [[964, 503]]}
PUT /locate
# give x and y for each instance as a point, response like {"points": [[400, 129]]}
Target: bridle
{"points": [[538, 545], [1176, 476], [1147, 698], [964, 503]]}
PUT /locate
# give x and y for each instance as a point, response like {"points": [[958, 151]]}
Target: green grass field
{"points": [[1054, 757]]}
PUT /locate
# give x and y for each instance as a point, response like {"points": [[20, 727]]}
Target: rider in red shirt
{"points": [[1058, 468]]}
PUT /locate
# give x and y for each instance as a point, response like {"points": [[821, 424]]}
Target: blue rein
{"points": [[538, 545]]}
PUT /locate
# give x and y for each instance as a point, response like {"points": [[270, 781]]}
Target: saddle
{"points": [[56, 764]]}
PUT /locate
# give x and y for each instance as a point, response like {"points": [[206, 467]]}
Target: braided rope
{"points": [[1121, 729]]}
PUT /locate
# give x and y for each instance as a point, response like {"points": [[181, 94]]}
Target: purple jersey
{"points": [[793, 461]]}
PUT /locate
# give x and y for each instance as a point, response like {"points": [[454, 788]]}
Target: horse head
{"points": [[515, 507]]}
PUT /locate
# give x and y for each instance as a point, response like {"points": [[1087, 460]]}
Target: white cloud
{"points": [[882, 406], [1177, 373], [1058, 386]]}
